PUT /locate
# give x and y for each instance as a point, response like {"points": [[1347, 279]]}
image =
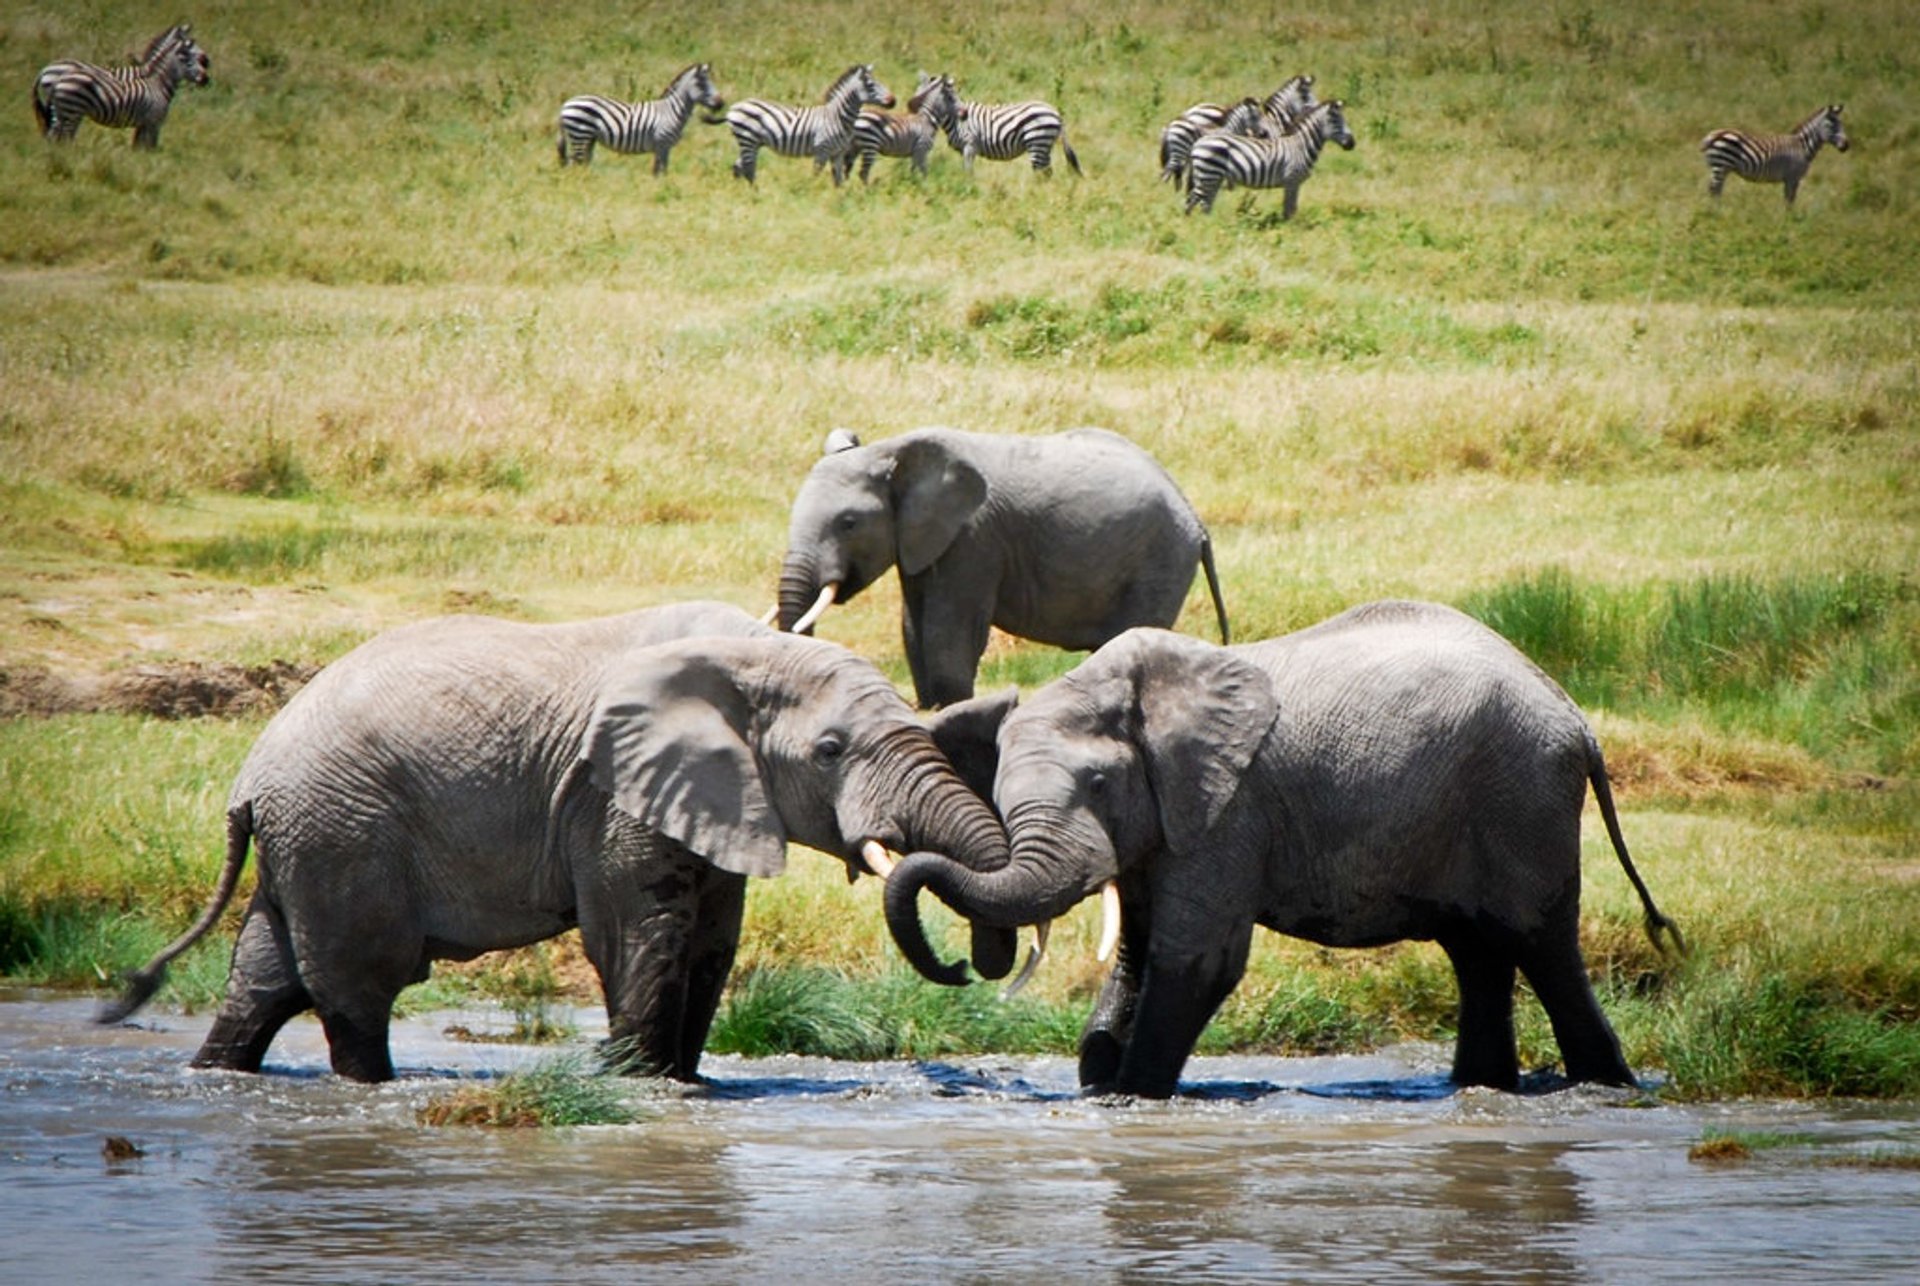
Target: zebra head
{"points": [[936, 97], [1291, 101], [1829, 127], [179, 57], [695, 85], [858, 83], [1329, 122]]}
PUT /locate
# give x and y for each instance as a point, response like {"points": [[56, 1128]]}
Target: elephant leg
{"points": [[945, 636], [1103, 1042], [1484, 1053], [264, 991], [1178, 996], [716, 936], [357, 953], [637, 920], [1588, 1047]]}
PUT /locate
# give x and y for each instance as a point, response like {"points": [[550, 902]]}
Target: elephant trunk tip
{"points": [[902, 902]]}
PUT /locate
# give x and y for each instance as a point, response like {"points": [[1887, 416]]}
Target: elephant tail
{"points": [[1657, 923], [1213, 586], [137, 987]]}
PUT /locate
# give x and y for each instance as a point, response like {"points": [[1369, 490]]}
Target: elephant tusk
{"points": [[818, 609], [1109, 920], [1034, 957], [771, 615], [878, 860]]}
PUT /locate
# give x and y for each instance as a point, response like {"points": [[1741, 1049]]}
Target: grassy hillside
{"points": [[351, 348]]}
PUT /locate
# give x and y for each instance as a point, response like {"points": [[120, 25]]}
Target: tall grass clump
{"points": [[554, 1093]]}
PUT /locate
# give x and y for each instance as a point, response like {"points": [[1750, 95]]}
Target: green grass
{"points": [[351, 349], [555, 1093]]}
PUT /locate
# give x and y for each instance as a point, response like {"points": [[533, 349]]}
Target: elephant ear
{"points": [[968, 734], [668, 743], [935, 492], [1203, 713]]}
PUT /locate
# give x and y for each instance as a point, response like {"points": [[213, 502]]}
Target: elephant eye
{"points": [[846, 522], [829, 747], [1097, 785]]}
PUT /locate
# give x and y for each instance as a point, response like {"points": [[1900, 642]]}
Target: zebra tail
{"points": [[41, 112], [1072, 160]]}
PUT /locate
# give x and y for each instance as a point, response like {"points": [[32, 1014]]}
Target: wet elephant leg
{"points": [[1484, 1053], [1588, 1047], [1179, 993], [716, 936], [1103, 1042], [264, 991], [637, 914]]}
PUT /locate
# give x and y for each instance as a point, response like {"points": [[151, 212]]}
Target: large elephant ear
{"points": [[1204, 713], [935, 492], [968, 734], [668, 743]]}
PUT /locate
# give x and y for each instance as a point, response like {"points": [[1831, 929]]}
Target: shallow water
{"points": [[1328, 1169]]}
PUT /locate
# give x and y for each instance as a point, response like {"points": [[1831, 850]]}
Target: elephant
{"points": [[1066, 539], [465, 784], [1396, 772]]}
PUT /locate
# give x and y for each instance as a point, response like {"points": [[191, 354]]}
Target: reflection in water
{"points": [[1354, 1170]]}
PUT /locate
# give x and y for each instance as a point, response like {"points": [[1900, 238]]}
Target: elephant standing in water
{"points": [[468, 784], [1399, 771], [1066, 539]]}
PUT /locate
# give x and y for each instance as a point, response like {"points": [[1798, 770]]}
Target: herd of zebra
{"points": [[1254, 144]]}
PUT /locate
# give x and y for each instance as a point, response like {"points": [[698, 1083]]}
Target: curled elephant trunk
{"points": [[1022, 892]]}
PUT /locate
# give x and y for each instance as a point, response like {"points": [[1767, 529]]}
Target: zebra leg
{"points": [[743, 168], [1792, 186], [660, 160], [1292, 201], [1716, 179], [147, 136]]}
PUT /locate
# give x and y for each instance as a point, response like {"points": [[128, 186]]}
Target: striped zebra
{"points": [[1772, 158], [824, 132], [1283, 161], [1282, 107], [137, 96], [912, 136], [1002, 131], [653, 126]]}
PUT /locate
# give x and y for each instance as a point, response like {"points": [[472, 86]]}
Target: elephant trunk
{"points": [[1038, 884], [802, 597], [948, 819]]}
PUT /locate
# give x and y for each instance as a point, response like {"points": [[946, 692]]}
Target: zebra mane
{"points": [[163, 45], [840, 82], [681, 75]]}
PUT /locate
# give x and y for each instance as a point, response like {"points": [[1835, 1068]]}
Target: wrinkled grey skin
{"points": [[1399, 771], [467, 784], [1066, 539]]}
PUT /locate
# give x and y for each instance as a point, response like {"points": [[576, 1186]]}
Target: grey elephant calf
{"points": [[1399, 771], [468, 784], [1066, 539]]}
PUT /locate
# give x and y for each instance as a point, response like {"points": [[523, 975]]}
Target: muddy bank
{"points": [[174, 690]]}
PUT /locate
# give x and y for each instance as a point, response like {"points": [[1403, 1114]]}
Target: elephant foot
{"points": [[1100, 1054]]}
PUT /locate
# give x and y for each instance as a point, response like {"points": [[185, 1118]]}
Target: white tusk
{"points": [[878, 859], [818, 609], [1034, 957], [1109, 920], [772, 615]]}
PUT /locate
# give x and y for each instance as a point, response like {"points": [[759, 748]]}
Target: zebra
{"points": [[653, 126], [67, 93], [1282, 107], [877, 133], [1001, 131], [824, 132], [1283, 161], [1772, 158]]}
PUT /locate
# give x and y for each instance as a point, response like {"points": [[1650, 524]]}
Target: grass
{"points": [[554, 1093], [351, 349]]}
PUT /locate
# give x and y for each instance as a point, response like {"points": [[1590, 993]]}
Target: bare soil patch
{"points": [[173, 690]]}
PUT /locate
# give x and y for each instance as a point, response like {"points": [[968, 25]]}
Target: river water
{"points": [[1363, 1169]]}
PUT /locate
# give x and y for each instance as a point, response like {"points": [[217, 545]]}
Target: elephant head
{"points": [[864, 509], [733, 746], [1143, 746]]}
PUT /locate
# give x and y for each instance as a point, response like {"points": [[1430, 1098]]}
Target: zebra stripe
{"points": [[651, 126], [67, 93], [911, 136], [824, 132], [1004, 131], [1282, 107], [1772, 158], [1283, 161]]}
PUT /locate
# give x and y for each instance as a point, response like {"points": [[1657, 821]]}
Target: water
{"points": [[1329, 1169]]}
